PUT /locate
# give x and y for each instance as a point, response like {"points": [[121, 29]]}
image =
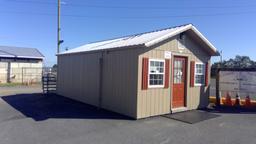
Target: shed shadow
{"points": [[204, 96], [42, 107]]}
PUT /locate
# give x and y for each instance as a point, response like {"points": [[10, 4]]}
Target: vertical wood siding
{"points": [[78, 78], [192, 74], [156, 101], [120, 81], [167, 73]]}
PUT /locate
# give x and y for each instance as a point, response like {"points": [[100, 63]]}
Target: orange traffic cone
{"points": [[228, 101], [237, 102], [248, 102]]}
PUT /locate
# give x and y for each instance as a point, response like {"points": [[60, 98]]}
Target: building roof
{"points": [[20, 52], [144, 39]]}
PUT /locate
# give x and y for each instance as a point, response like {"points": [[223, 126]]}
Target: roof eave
{"points": [[211, 46], [102, 50], [30, 57]]}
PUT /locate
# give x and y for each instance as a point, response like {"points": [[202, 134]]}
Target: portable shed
{"points": [[141, 75]]}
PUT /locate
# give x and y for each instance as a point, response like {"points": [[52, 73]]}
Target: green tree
{"points": [[237, 62], [54, 68]]}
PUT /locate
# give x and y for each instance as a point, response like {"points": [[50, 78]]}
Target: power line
{"points": [[134, 17], [135, 7]]}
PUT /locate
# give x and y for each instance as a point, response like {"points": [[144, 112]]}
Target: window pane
{"points": [[156, 72], [157, 64], [161, 82], [199, 74], [200, 68], [199, 79], [161, 70], [151, 63], [151, 77], [178, 75], [156, 79]]}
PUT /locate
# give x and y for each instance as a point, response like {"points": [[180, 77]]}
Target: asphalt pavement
{"points": [[33, 118]]}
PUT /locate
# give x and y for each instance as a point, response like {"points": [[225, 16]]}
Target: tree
{"points": [[54, 68], [237, 62]]}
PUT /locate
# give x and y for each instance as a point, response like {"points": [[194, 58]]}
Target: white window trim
{"points": [[156, 86], [199, 84]]}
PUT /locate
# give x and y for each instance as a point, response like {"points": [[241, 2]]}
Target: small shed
{"points": [[141, 75], [20, 64]]}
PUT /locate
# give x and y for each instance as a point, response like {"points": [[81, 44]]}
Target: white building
{"points": [[20, 65]]}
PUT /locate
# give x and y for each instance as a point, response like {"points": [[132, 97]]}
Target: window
{"points": [[199, 74], [156, 73], [178, 72]]}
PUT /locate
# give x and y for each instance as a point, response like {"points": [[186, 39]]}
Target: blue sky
{"points": [[229, 24]]}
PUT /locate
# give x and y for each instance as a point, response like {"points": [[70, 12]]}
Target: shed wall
{"points": [[120, 81], [156, 101], [78, 78]]}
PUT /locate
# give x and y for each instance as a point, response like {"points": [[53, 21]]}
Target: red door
{"points": [[179, 82]]}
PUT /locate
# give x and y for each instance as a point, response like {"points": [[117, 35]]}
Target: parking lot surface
{"points": [[33, 118]]}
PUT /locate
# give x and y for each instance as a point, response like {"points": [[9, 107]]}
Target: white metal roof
{"points": [[147, 39]]}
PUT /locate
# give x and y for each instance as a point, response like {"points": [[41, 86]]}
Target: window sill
{"points": [[157, 86], [198, 85]]}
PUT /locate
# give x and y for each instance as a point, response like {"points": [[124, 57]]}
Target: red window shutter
{"points": [[206, 74], [167, 73], [192, 73], [144, 74]]}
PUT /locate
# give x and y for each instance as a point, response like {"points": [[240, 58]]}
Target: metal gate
{"points": [[49, 81]]}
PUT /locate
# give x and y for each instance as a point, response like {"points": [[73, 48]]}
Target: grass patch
{"points": [[10, 84], [19, 84]]}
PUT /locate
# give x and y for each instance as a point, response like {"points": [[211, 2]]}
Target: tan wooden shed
{"points": [[141, 75]]}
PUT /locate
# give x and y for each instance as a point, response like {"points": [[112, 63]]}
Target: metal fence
{"points": [[235, 87], [24, 75]]}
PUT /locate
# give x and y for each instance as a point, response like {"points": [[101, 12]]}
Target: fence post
{"points": [[218, 87], [8, 72], [22, 80], [47, 83]]}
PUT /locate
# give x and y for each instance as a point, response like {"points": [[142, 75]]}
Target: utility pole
{"points": [[58, 28], [221, 56]]}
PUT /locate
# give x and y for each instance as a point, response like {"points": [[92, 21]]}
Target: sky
{"points": [[230, 25]]}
